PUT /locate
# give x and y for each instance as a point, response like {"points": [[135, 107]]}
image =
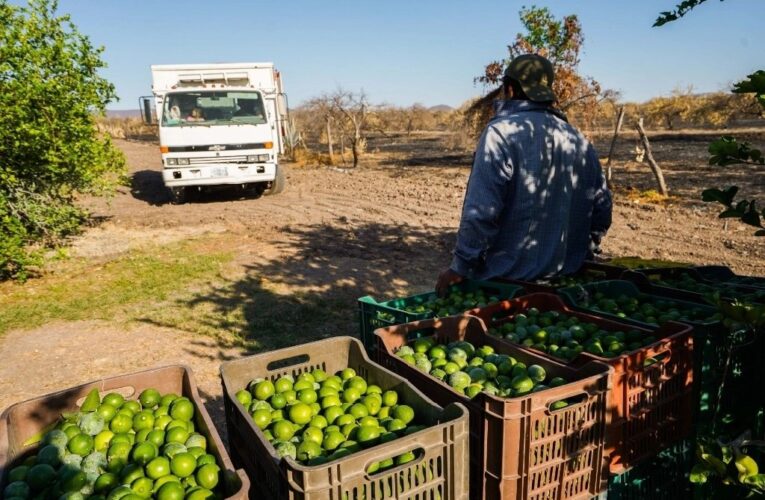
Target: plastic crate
{"points": [[589, 272], [664, 477], [647, 281], [439, 471], [708, 340], [726, 275], [521, 449], [373, 314], [652, 406], [21, 421]]}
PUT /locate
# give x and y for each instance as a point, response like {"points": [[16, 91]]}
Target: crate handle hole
{"points": [[291, 361], [556, 406]]}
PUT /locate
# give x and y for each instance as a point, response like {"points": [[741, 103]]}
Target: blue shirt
{"points": [[536, 199]]}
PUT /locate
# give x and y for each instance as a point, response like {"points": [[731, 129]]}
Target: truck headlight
{"points": [[257, 158], [172, 161], [183, 161]]}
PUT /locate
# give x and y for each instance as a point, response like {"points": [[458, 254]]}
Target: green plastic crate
{"points": [[374, 315], [664, 477]]}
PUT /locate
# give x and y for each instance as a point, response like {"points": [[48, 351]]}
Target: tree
{"points": [[353, 107], [561, 42], [50, 92]]}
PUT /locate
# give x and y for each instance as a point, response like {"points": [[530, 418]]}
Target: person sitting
{"points": [[195, 116], [175, 113]]}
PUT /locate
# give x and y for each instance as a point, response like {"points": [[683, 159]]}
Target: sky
{"points": [[417, 51]]}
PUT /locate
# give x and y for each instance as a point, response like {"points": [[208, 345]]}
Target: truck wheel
{"points": [[179, 195], [279, 183]]}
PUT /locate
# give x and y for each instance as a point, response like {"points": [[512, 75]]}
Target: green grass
{"points": [[118, 290]]}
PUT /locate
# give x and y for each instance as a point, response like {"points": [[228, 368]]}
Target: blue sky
{"points": [[426, 51]]}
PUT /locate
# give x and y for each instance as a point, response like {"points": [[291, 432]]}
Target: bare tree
{"points": [[323, 106], [655, 168], [354, 107]]}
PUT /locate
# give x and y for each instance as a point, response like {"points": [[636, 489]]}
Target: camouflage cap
{"points": [[535, 74]]}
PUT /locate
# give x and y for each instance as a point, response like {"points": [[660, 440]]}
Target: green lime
{"points": [[283, 384], [121, 423], [183, 464], [404, 413], [307, 396], [368, 435], [283, 430], [390, 398], [143, 420], [264, 390], [130, 473], [158, 467], [308, 450], [171, 491], [114, 399], [149, 398], [176, 435], [37, 477], [81, 445], [244, 397], [106, 482], [142, 486], [207, 476], [182, 409], [261, 418], [536, 373], [300, 413]]}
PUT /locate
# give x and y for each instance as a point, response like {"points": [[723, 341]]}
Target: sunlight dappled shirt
{"points": [[536, 197]]}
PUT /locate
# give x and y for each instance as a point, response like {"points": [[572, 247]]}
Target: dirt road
{"points": [[303, 257]]}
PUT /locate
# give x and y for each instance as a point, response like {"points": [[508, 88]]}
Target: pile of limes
{"points": [[565, 336], [648, 309], [316, 417], [455, 302], [571, 280], [117, 448], [470, 370]]}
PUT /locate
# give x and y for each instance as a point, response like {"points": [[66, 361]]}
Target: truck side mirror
{"points": [[147, 113]]}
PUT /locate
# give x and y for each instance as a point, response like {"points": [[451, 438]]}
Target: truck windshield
{"points": [[213, 108]]}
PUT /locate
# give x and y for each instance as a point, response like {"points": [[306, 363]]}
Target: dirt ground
{"points": [[334, 235]]}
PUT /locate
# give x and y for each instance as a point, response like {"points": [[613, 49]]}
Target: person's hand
{"points": [[446, 279]]}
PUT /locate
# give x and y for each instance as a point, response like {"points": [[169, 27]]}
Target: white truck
{"points": [[219, 124]]}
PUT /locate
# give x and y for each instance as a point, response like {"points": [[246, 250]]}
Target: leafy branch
{"points": [[680, 10], [745, 210], [730, 463]]}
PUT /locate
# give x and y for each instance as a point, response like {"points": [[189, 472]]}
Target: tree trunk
{"points": [[329, 142], [651, 161], [617, 128], [355, 146], [342, 148]]}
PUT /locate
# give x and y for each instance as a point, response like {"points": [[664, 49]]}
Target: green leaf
{"points": [[751, 216]]}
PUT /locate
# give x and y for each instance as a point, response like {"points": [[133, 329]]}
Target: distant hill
{"points": [[441, 107], [123, 113]]}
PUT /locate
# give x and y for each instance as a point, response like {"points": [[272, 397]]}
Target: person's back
{"points": [[537, 200], [554, 176]]}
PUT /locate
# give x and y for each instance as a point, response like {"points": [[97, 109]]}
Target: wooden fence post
{"points": [[651, 161]]}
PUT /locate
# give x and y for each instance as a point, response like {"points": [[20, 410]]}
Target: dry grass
{"points": [[127, 128]]}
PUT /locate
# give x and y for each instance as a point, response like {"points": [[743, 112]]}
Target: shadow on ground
{"points": [[310, 290]]}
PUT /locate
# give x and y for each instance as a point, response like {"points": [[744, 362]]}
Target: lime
{"points": [[351, 394], [278, 401], [20, 473], [277, 415], [390, 398], [102, 440], [196, 451], [244, 397], [205, 459], [130, 473], [38, 477], [172, 449], [121, 423], [74, 481], [315, 409], [106, 411], [283, 430], [158, 467], [368, 436], [183, 464], [196, 440], [177, 435], [283, 384], [262, 418], [300, 413], [332, 440], [149, 398], [307, 396], [133, 406], [405, 458], [522, 384], [332, 400], [302, 384], [16, 490], [373, 402], [199, 494], [557, 381], [358, 410], [347, 373], [162, 421], [106, 482], [404, 413], [395, 424], [168, 399], [263, 390], [536, 373], [313, 434], [308, 450], [333, 413], [165, 479], [156, 437], [182, 409], [114, 399], [142, 486], [319, 421], [143, 420], [207, 476], [81, 445], [171, 491], [117, 456]]}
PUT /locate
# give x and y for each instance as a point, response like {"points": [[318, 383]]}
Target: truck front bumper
{"points": [[218, 175]]}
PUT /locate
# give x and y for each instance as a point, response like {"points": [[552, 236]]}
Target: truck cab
{"points": [[220, 125]]}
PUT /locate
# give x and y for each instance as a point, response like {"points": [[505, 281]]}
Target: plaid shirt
{"points": [[536, 202]]}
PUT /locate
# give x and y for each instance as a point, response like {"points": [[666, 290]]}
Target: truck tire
{"points": [[179, 195], [279, 183]]}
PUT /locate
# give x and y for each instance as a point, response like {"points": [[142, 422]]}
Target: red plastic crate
{"points": [[651, 406], [520, 448]]}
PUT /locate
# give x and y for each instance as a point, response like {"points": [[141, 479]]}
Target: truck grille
{"points": [[217, 160]]}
